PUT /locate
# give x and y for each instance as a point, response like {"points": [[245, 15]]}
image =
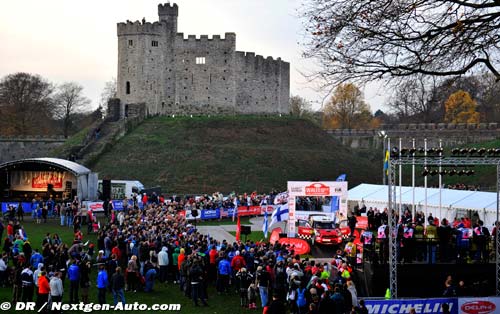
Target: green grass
{"points": [[237, 153], [72, 141], [162, 294], [255, 236]]}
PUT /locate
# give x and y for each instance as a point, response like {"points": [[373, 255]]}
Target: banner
{"points": [[403, 306], [487, 305], [44, 178], [275, 235], [118, 205], [26, 206], [210, 214], [299, 246]]}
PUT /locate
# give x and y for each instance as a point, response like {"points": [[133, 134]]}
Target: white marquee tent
{"points": [[453, 202]]}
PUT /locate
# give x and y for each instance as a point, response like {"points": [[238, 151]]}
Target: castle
{"points": [[162, 72]]}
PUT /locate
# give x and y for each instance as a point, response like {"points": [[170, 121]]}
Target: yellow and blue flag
{"points": [[386, 162]]}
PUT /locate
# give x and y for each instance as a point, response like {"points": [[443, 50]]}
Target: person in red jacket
{"points": [[212, 270], [43, 292], [237, 262], [145, 199], [10, 230]]}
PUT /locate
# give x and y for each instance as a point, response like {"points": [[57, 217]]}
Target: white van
{"points": [[122, 188]]}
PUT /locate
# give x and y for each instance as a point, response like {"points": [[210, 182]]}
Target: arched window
{"points": [[128, 88]]}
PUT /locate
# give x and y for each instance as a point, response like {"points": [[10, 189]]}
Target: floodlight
{"points": [[425, 172], [395, 151]]}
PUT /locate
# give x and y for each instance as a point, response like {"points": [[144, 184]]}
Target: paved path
{"points": [[321, 254]]}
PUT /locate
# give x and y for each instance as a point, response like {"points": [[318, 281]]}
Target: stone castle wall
{"points": [[13, 148], [160, 67], [450, 134]]}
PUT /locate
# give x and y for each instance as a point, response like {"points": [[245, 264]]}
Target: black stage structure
{"points": [[397, 158]]}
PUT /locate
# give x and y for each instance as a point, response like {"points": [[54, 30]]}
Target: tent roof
{"points": [[449, 198], [70, 166]]}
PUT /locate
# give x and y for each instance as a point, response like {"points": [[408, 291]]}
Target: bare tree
{"points": [[412, 99], [299, 106], [25, 103], [109, 91], [68, 101], [364, 40]]}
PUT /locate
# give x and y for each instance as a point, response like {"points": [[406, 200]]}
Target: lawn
{"points": [[255, 236], [162, 294]]}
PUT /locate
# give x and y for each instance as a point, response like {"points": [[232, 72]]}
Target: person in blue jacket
{"points": [[102, 284], [74, 280], [224, 271]]}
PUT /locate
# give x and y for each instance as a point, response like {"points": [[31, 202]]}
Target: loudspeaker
{"points": [[50, 187], [194, 213], [106, 189], [246, 230], [283, 235]]}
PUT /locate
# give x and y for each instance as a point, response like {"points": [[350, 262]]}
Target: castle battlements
{"points": [[170, 72], [138, 28], [227, 37], [168, 9], [251, 57]]}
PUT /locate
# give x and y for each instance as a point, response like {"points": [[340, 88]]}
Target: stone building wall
{"points": [[27, 147], [158, 66]]}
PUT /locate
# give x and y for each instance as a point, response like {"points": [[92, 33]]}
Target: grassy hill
{"points": [[245, 153]]}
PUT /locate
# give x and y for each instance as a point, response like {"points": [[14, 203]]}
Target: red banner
{"points": [[275, 235], [249, 211], [298, 245], [43, 180]]}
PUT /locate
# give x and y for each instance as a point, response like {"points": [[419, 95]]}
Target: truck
{"points": [[320, 229], [122, 188]]}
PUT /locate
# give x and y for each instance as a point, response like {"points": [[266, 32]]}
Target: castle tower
{"points": [[168, 14]]}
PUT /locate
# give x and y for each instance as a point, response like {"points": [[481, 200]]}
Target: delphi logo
{"points": [[478, 307], [317, 189]]}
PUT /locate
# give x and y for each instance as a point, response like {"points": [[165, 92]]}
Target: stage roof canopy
{"points": [[73, 167]]}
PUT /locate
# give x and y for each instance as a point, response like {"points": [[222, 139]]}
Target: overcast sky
{"points": [[65, 40]]}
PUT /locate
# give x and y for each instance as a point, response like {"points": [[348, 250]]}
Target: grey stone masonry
{"points": [[173, 74]]}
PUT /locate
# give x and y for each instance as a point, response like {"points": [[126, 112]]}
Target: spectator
{"points": [[118, 286], [56, 288], [43, 292], [102, 284]]}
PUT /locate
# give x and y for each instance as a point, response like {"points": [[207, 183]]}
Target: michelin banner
{"points": [[403, 306]]}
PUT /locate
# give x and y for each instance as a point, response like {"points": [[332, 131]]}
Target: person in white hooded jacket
{"points": [[163, 263]]}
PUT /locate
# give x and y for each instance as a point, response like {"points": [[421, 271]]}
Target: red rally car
{"points": [[319, 229]]}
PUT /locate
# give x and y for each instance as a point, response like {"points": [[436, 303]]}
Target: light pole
{"points": [[383, 135]]}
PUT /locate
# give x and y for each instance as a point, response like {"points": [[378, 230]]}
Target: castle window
{"points": [[200, 60], [154, 43], [130, 42], [186, 97], [225, 61], [127, 88]]}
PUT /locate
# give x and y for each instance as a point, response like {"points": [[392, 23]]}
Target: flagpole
{"points": [[413, 182], [425, 177], [400, 181], [440, 178]]}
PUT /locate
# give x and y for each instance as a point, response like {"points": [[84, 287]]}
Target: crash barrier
{"points": [[485, 305]]}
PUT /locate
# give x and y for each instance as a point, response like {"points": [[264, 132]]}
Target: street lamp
{"points": [[383, 135]]}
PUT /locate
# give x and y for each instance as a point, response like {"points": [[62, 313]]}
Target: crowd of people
{"points": [[138, 248], [427, 239]]}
